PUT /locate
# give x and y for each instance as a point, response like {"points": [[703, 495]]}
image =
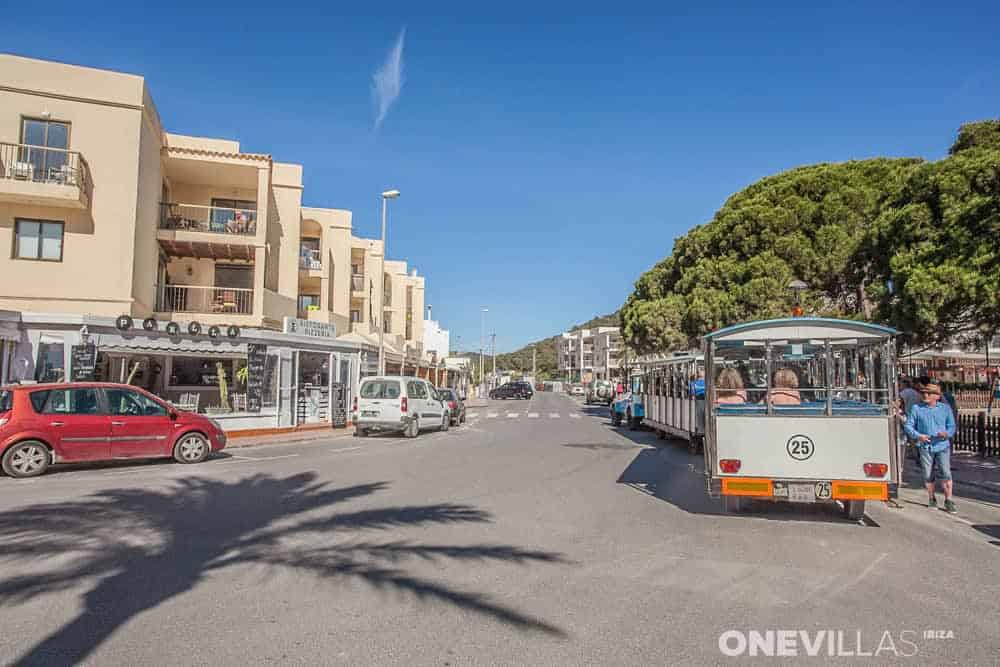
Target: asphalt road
{"points": [[528, 536]]}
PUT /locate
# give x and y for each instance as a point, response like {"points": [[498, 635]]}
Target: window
{"points": [[46, 134], [127, 402], [72, 402], [50, 363], [38, 399], [416, 389], [355, 315], [380, 389], [308, 302], [38, 239], [356, 270], [200, 371], [386, 326]]}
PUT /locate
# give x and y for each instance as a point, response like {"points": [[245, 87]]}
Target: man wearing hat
{"points": [[931, 424]]}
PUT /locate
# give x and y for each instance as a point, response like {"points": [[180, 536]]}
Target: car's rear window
{"points": [[448, 393], [38, 399], [380, 389], [6, 400]]}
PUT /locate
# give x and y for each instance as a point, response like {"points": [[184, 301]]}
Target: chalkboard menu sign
{"points": [[83, 360], [256, 359]]}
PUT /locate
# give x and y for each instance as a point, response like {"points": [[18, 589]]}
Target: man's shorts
{"points": [[940, 460]]}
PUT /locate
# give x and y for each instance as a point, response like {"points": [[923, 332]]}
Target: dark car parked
{"points": [[512, 390], [456, 406]]}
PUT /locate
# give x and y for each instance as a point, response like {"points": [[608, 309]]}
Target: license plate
{"points": [[801, 493], [369, 413]]}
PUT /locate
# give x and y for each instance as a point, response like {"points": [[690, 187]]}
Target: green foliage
{"points": [[849, 230], [981, 134]]}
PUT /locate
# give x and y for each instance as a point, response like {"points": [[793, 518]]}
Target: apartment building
{"points": [[177, 260], [590, 354]]}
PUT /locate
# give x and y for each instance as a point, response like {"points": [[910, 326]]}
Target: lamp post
{"points": [[386, 196], [797, 287], [482, 345]]}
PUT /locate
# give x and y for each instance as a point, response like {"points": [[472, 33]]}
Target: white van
{"points": [[398, 403]]}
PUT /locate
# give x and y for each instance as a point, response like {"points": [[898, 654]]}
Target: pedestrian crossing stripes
{"points": [[512, 415], [532, 415], [553, 415], [478, 416]]}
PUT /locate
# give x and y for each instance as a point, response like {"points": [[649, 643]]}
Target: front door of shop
{"points": [[140, 426]]}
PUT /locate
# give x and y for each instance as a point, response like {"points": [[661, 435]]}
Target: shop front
{"points": [[246, 379]]}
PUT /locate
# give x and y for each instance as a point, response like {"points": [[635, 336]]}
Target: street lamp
{"points": [[386, 196], [797, 287]]}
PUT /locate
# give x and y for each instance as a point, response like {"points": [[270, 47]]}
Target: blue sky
{"points": [[547, 155]]}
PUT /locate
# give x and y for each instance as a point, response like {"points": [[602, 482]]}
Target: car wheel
{"points": [[26, 459], [412, 429], [735, 504], [191, 448], [463, 417], [445, 424], [360, 432]]}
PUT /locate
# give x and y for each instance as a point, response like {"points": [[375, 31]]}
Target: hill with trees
{"points": [[905, 242]]}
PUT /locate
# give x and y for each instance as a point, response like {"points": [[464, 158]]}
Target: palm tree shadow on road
{"points": [[145, 546]]}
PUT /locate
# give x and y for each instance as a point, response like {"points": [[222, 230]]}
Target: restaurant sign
{"points": [[300, 327]]}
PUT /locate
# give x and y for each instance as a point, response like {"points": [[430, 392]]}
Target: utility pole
{"points": [[493, 336], [482, 345], [534, 359]]}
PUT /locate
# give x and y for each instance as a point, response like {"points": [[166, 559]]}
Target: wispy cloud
{"points": [[388, 80]]}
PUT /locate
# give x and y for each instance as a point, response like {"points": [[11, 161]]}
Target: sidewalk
{"points": [[967, 469], [288, 437]]}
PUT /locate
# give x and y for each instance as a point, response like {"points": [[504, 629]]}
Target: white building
{"points": [[589, 354], [437, 339]]}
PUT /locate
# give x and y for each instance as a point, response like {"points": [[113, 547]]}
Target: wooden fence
{"points": [[978, 433]]}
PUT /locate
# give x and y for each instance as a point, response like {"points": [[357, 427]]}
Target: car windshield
{"points": [[380, 389]]}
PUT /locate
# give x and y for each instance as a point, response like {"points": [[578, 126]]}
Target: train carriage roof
{"points": [[801, 328]]}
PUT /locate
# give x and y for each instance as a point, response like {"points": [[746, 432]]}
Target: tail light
{"points": [[876, 469], [451, 404], [730, 465], [402, 404]]}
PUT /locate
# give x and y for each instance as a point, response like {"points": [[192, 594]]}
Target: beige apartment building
{"points": [[179, 259], [590, 354]]}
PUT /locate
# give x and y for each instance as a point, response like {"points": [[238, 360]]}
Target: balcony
{"points": [[387, 299], [203, 299], [44, 176], [209, 219], [310, 259], [358, 283]]}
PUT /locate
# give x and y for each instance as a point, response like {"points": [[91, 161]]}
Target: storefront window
{"points": [[202, 371], [49, 366]]}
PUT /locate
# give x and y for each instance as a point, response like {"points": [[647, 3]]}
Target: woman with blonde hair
{"points": [[786, 388], [729, 387]]}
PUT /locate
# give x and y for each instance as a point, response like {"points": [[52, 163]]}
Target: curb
{"points": [[239, 443]]}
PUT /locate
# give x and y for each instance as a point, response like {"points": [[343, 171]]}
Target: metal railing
{"points": [[199, 299], [357, 282], [310, 258], [39, 164], [214, 219]]}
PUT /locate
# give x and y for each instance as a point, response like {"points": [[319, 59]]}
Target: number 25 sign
{"points": [[800, 447]]}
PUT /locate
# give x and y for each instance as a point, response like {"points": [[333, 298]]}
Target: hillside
{"points": [[547, 364]]}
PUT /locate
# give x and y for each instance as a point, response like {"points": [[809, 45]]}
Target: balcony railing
{"points": [[214, 219], [310, 258], [199, 299], [358, 282], [39, 164]]}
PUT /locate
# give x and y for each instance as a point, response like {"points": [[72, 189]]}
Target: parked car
{"points": [[601, 392], [456, 406], [510, 390], [396, 403], [578, 390], [45, 424], [526, 388]]}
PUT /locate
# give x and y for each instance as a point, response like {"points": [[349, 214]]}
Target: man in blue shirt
{"points": [[931, 424]]}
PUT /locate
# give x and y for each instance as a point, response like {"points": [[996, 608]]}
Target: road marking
{"points": [[512, 415], [573, 415], [532, 415], [553, 415], [345, 449], [264, 458], [491, 415], [856, 580], [474, 415]]}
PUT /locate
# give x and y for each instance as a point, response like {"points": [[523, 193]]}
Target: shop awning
{"points": [[9, 331], [166, 345]]}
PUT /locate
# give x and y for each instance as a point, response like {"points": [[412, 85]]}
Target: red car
{"points": [[42, 424]]}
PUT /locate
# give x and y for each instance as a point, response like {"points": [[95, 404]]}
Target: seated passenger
{"points": [[729, 387], [786, 388]]}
